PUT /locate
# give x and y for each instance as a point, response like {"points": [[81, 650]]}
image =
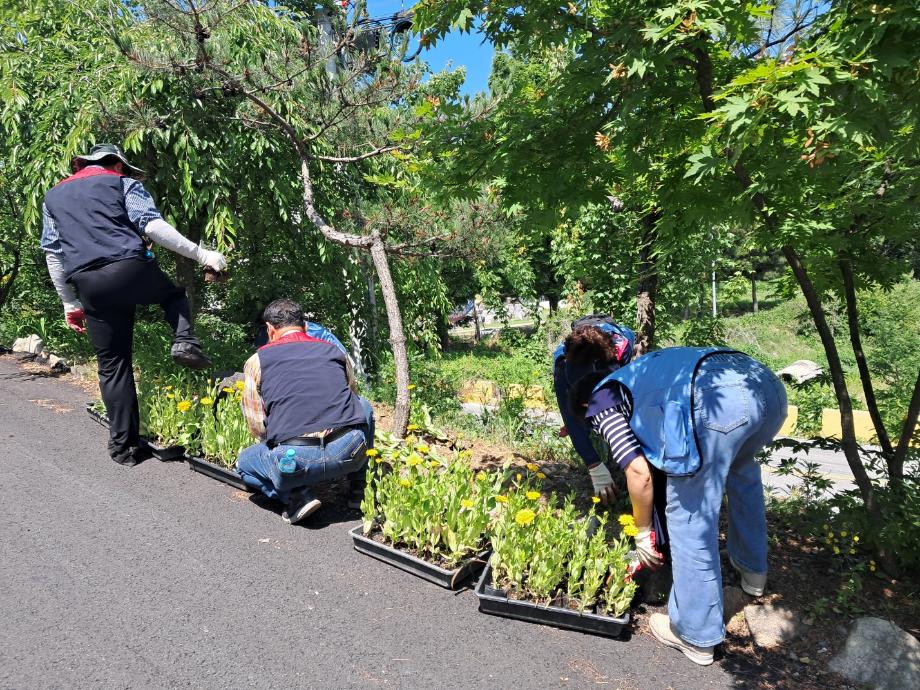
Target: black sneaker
{"points": [[356, 486], [301, 506], [132, 455], [189, 355]]}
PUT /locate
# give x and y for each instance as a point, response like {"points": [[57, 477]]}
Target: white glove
{"points": [[213, 260], [645, 549], [603, 482]]}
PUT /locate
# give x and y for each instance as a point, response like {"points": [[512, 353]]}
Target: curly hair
{"points": [[589, 344]]}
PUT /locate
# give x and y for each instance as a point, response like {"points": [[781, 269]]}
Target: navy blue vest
{"points": [[92, 221], [305, 388], [661, 386]]}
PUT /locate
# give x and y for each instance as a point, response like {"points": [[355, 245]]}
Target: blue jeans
{"points": [[739, 406], [258, 464]]}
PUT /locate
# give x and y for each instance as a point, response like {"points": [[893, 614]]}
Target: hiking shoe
{"points": [[301, 506], [660, 625], [751, 583], [131, 456], [356, 486], [189, 355]]}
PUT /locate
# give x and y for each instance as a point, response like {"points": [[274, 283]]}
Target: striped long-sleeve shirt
{"points": [[609, 411]]}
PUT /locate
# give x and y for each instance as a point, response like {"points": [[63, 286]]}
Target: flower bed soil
{"points": [[374, 545], [498, 602]]}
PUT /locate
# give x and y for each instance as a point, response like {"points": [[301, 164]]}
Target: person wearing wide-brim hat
{"points": [[95, 228]]}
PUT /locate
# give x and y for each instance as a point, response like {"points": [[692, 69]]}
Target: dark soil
{"points": [[377, 536]]}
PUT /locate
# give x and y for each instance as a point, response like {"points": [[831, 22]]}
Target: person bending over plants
{"points": [[300, 401], [699, 415]]}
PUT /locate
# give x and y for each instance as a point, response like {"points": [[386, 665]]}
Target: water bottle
{"points": [[287, 464]]}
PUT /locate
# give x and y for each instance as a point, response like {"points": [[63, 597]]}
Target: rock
{"points": [[735, 600], [57, 363], [772, 624], [32, 345], [880, 654], [800, 371]]}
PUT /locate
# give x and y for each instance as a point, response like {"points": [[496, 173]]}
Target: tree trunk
{"points": [[187, 269], [647, 289], [372, 326], [477, 331], [850, 449], [397, 335], [754, 304], [896, 467], [849, 293]]}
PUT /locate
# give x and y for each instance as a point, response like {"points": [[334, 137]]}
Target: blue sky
{"points": [[458, 49]]}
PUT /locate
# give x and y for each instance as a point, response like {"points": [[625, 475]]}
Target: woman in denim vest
{"points": [[700, 415]]}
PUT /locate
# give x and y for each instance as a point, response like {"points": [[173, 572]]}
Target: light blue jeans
{"points": [[739, 406], [258, 464]]}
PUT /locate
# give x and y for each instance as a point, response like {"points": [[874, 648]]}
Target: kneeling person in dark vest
{"points": [[300, 401]]}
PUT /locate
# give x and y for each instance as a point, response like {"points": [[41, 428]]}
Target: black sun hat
{"points": [[100, 152]]}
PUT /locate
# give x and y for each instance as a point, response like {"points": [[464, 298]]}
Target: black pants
{"points": [[110, 296]]}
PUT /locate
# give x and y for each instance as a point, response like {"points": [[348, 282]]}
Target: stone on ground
{"points": [[880, 654], [772, 624], [32, 345]]}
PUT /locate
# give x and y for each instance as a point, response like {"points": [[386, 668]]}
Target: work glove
{"points": [[603, 483], [563, 431], [211, 259], [648, 554], [76, 320]]}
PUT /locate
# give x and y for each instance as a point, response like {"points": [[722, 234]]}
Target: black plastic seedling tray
{"points": [[449, 579], [158, 450], [221, 474], [496, 602]]}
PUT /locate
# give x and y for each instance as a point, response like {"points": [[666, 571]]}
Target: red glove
{"points": [[563, 431], [76, 320], [647, 549]]}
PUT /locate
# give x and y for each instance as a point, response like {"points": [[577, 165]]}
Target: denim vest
{"points": [[661, 387]]}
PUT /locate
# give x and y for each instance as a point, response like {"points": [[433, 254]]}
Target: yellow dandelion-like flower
{"points": [[481, 476], [837, 550], [631, 531], [532, 467], [433, 464], [855, 537], [411, 386], [405, 483], [595, 500], [518, 476], [184, 405], [372, 452], [239, 385], [422, 448], [524, 517], [540, 475], [412, 427], [852, 552], [227, 389], [843, 533], [467, 503], [501, 499], [626, 519], [413, 460], [533, 495], [872, 568], [207, 401], [170, 396], [168, 388]]}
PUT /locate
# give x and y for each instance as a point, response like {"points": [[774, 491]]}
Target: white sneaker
{"points": [[752, 583], [301, 506], [660, 625]]}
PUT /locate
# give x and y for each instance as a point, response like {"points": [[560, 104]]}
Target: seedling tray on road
{"points": [[218, 472], [496, 602], [449, 579], [158, 450]]}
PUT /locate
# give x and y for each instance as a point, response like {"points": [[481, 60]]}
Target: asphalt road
{"points": [[159, 577]]}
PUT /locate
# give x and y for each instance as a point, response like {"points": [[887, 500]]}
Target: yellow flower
{"points": [[852, 552], [872, 566], [168, 388], [411, 386], [501, 499], [412, 427], [372, 452], [405, 483], [413, 460], [183, 405], [532, 467], [855, 538], [467, 503], [533, 495], [481, 476], [631, 530], [843, 533], [540, 475], [227, 389], [626, 520], [422, 448], [524, 517], [518, 476], [433, 463], [170, 396], [837, 550], [595, 500], [207, 401], [239, 385]]}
